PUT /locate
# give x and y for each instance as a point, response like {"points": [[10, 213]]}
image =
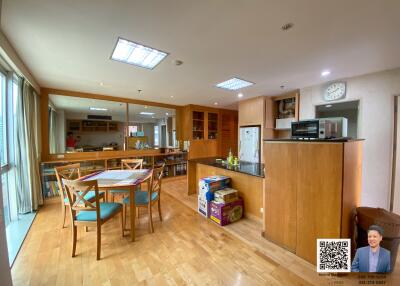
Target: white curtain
{"points": [[27, 146]]}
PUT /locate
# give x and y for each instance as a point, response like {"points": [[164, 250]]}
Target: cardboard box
{"points": [[224, 214], [226, 195], [203, 206], [213, 183]]}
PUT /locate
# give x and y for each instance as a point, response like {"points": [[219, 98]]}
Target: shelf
{"points": [[198, 130], [198, 119]]}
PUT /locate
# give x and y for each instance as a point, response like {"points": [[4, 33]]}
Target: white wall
{"points": [[376, 94]]}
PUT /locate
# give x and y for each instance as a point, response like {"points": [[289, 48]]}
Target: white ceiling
{"points": [[68, 44]]}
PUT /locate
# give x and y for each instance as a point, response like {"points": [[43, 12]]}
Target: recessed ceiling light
{"points": [[234, 84], [136, 54], [166, 113], [101, 83], [328, 105], [240, 95], [325, 73], [287, 26], [98, 108], [215, 103], [145, 106], [172, 96], [147, 113]]}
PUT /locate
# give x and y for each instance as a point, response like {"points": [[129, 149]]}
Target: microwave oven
{"points": [[324, 128]]}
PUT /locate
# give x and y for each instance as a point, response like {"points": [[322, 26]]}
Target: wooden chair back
{"points": [[68, 172], [157, 174], [76, 191], [131, 164]]}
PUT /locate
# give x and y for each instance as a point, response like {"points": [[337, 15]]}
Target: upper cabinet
{"points": [[251, 111], [198, 125], [212, 125]]}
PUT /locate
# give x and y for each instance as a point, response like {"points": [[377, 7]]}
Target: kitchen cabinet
{"points": [[202, 126], [251, 111], [311, 190]]}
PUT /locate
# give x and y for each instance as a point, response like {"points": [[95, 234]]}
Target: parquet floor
{"points": [[185, 249]]}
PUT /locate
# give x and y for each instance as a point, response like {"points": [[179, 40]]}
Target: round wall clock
{"points": [[335, 91]]}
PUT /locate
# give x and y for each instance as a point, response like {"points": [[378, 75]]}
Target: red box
{"points": [[224, 214]]}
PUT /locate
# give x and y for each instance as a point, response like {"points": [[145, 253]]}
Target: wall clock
{"points": [[335, 91]]}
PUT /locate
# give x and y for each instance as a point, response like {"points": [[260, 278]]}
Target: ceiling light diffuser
{"points": [[136, 54], [234, 84], [98, 108], [325, 73], [147, 113], [240, 95]]}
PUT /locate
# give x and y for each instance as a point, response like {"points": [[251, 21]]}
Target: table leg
{"points": [[132, 210]]}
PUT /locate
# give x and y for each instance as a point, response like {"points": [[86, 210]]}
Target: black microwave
{"points": [[312, 129]]}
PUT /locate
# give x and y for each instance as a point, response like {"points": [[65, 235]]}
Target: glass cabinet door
{"points": [[198, 125], [212, 125]]}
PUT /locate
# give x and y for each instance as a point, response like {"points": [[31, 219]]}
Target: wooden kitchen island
{"points": [[247, 178], [311, 190]]}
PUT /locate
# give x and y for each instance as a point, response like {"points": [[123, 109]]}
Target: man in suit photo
{"points": [[372, 258]]}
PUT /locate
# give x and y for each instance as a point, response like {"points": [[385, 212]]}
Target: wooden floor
{"points": [[185, 249]]}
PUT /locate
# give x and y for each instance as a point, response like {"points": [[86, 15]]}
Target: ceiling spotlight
{"points": [[178, 62], [166, 113], [215, 103], [172, 96], [101, 83], [325, 73], [328, 105], [287, 26], [240, 95], [145, 106]]}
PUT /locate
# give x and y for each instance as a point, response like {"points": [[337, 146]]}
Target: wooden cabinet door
{"points": [[280, 193], [251, 111], [319, 193]]}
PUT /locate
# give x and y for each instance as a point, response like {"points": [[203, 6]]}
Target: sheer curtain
{"points": [[27, 146]]}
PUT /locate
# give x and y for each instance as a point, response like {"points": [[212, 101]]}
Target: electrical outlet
{"points": [[262, 210]]}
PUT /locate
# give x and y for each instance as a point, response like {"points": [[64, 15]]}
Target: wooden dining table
{"points": [[121, 180]]}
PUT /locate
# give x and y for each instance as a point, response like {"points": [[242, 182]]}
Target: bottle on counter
{"points": [[230, 157]]}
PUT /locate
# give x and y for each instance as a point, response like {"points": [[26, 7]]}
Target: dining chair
{"points": [[70, 172], [87, 213], [127, 164], [146, 199]]}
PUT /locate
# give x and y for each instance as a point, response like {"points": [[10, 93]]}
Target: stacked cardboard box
{"points": [[207, 186]]}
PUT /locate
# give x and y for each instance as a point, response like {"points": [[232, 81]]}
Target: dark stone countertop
{"points": [[252, 169], [333, 140]]}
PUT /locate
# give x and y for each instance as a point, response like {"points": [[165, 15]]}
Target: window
{"points": [[156, 135], [3, 121], [132, 130]]}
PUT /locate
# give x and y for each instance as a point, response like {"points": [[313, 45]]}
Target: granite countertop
{"points": [[252, 169], [333, 140]]}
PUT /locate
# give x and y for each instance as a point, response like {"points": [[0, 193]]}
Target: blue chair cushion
{"points": [[141, 198], [106, 211], [89, 196]]}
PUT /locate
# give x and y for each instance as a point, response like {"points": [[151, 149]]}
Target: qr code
{"points": [[333, 255]]}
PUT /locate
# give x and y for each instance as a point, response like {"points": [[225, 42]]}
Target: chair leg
{"points": [[151, 229], [112, 198], [86, 228], [125, 209], [74, 229], [159, 210], [98, 241], [63, 211], [122, 223]]}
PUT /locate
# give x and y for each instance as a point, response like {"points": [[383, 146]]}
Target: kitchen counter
{"points": [[253, 169], [247, 178], [333, 140]]}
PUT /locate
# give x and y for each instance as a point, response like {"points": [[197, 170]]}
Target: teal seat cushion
{"points": [[89, 196], [106, 211], [141, 198]]}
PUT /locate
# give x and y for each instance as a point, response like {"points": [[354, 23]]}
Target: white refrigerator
{"points": [[249, 144]]}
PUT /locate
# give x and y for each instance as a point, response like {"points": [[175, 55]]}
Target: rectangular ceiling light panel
{"points": [[98, 108], [147, 113], [136, 54], [234, 84]]}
